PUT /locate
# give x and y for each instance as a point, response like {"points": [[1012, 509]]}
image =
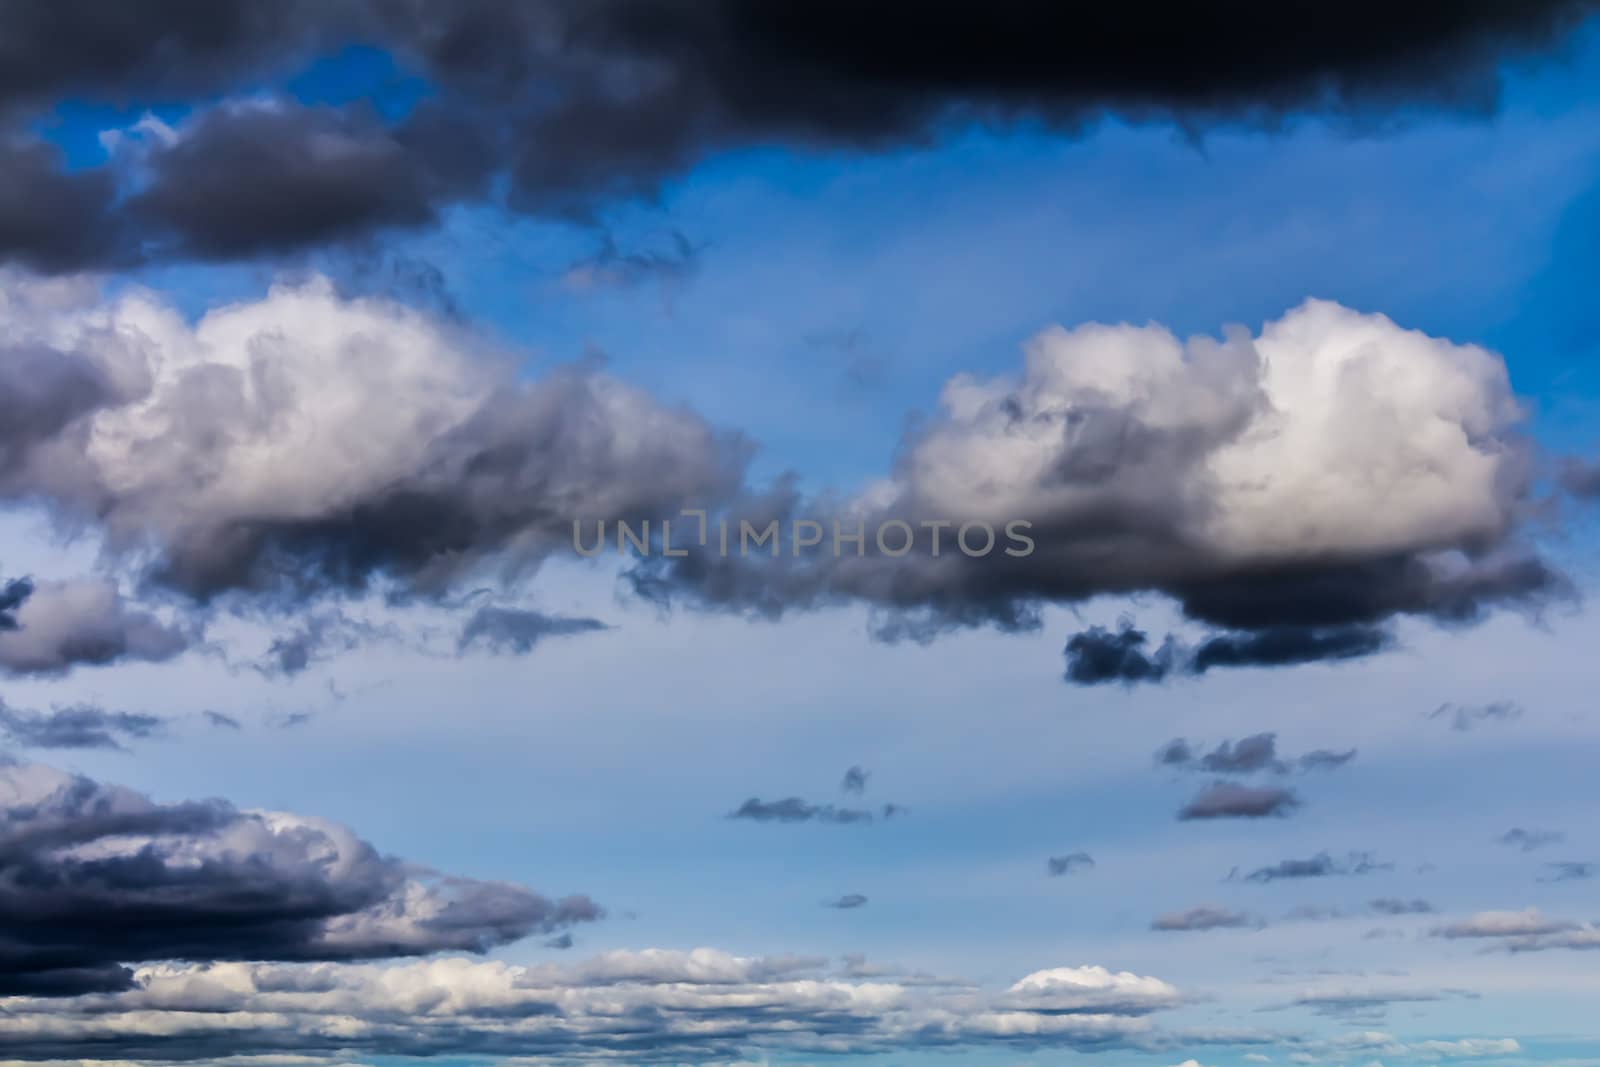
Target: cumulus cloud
{"points": [[1233, 800], [649, 1006], [242, 452], [567, 105], [48, 628], [99, 877], [1333, 471]]}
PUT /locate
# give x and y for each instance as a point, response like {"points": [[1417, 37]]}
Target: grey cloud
{"points": [[1580, 477], [1521, 931], [1098, 655], [1322, 865], [1529, 840], [77, 726], [855, 780], [99, 877], [518, 630], [1204, 917], [1399, 906], [49, 628], [1568, 871], [848, 902], [1465, 717], [1232, 800], [218, 719], [1071, 863], [793, 809]]}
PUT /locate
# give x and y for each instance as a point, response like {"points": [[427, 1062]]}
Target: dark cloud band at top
{"points": [[569, 104]]}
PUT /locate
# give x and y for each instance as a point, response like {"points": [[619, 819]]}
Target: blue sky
{"points": [[816, 302]]}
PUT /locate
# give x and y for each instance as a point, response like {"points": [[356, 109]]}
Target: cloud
{"points": [[1205, 917], [1097, 655], [1398, 906], [609, 267], [316, 637], [567, 106], [1252, 479], [241, 453], [1568, 871], [1523, 931], [647, 1006], [1465, 717], [218, 719], [100, 877], [1322, 865], [848, 902], [855, 780], [793, 809], [1529, 840], [76, 726], [1232, 800], [49, 628], [1071, 863], [518, 630]]}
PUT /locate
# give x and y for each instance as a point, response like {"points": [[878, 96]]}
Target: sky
{"points": [[1244, 362]]}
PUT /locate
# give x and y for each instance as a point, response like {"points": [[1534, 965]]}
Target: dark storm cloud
{"points": [[1529, 840], [1231, 800], [1283, 646], [1322, 865], [793, 809], [1465, 717], [1071, 863], [1249, 755], [269, 178], [847, 902], [76, 726], [1098, 655], [1204, 917], [518, 630], [1398, 906], [96, 877], [577, 102]]}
